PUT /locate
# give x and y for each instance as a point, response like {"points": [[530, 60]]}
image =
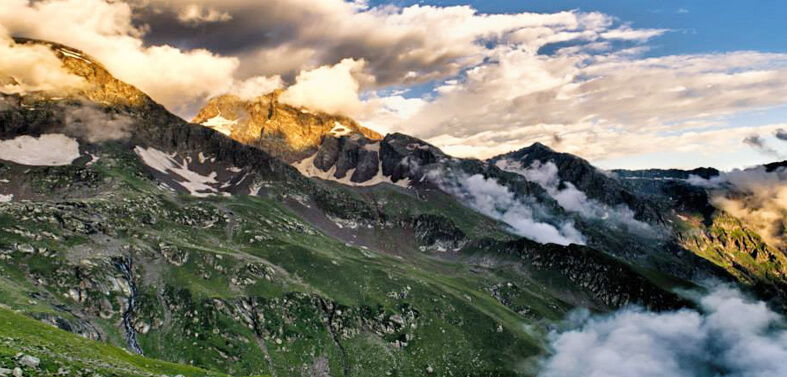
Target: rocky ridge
{"points": [[283, 131]]}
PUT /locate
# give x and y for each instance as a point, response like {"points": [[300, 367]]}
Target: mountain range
{"points": [[264, 239]]}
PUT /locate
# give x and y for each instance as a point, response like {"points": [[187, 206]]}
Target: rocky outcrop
{"points": [[438, 233], [404, 157], [609, 282], [360, 161], [103, 87], [595, 183], [706, 173], [345, 155], [729, 244], [284, 131]]}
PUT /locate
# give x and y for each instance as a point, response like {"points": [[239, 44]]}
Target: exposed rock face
{"points": [[438, 233], [593, 182], [605, 279], [281, 130], [357, 160], [367, 167], [103, 87], [706, 173], [404, 156], [728, 243], [352, 155]]}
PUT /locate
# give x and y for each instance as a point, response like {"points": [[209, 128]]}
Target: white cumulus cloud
{"points": [[28, 67], [502, 81], [729, 335], [489, 197], [194, 14], [330, 89]]}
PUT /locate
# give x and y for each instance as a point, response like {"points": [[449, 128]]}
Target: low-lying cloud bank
{"points": [[756, 196], [729, 336], [95, 125], [572, 199], [491, 198], [86, 121]]}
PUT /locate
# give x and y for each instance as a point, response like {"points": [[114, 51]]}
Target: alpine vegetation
{"points": [[757, 196], [342, 188]]}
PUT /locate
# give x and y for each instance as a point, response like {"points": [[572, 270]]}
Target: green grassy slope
{"points": [[272, 285], [60, 352]]}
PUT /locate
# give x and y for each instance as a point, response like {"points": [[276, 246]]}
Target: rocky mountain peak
{"points": [[538, 147], [102, 86], [595, 183], [284, 131]]}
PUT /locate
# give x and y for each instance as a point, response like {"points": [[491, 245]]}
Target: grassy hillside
{"points": [[302, 279], [61, 353]]}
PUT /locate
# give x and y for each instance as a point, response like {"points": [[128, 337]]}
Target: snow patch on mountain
{"points": [[220, 124], [178, 168], [372, 147], [307, 168], [340, 130], [45, 150], [74, 54]]}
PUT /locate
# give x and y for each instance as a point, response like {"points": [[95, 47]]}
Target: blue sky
{"points": [[699, 25]]}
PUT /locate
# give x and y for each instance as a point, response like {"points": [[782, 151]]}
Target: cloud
{"points": [[755, 196], [593, 100], [105, 30], [729, 335], [29, 68], [627, 33], [95, 125], [254, 87], [487, 196], [194, 14], [330, 89], [402, 45], [501, 80], [571, 198], [756, 142], [84, 122]]}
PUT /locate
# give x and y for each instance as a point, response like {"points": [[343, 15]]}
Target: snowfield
{"points": [[197, 185], [46, 150], [340, 130], [307, 168], [220, 124]]}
